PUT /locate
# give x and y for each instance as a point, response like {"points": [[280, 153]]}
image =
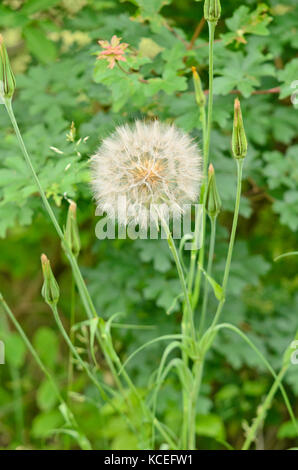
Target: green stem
{"points": [[211, 27], [86, 444], [187, 322], [198, 373], [196, 293], [231, 244], [29, 163], [209, 271], [187, 327], [194, 250], [71, 335], [263, 409]]}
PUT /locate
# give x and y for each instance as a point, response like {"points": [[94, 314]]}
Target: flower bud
{"points": [[212, 10], [213, 202], [7, 80], [239, 142], [200, 97], [71, 233], [50, 289]]}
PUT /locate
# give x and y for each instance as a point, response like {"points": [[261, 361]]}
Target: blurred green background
{"points": [[53, 47]]}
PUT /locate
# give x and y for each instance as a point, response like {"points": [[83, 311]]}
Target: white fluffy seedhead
{"points": [[147, 164]]}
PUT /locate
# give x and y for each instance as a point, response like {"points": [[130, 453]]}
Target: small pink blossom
{"points": [[114, 51]]}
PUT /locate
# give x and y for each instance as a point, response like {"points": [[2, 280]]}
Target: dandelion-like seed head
{"points": [[148, 164]]}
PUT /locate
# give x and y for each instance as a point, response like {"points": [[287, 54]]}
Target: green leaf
{"points": [[287, 431], [163, 292], [15, 350], [217, 289], [149, 48], [289, 77], [288, 209], [46, 344], [210, 425], [156, 251], [33, 6], [46, 396], [45, 423], [242, 72], [245, 22], [39, 45]]}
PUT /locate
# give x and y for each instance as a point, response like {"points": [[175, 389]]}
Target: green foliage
{"points": [[53, 46]]}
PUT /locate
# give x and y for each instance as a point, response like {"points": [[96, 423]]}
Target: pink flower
{"points": [[114, 50]]}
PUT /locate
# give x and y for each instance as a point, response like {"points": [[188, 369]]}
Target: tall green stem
{"points": [[197, 373], [209, 269], [72, 335], [230, 249], [196, 292], [187, 322], [194, 250], [187, 327]]}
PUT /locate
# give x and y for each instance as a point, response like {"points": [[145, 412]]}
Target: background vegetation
{"points": [[53, 47]]}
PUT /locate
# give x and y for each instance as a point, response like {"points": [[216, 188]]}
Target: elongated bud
{"points": [[213, 202], [212, 10], [239, 141], [71, 234], [50, 289], [200, 97], [7, 80]]}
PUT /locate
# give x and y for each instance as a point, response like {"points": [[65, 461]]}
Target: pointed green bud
{"points": [[7, 80], [71, 233], [50, 289], [213, 202], [239, 142], [212, 10], [200, 97]]}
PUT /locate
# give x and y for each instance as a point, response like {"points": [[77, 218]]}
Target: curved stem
{"points": [[263, 410], [265, 362]]}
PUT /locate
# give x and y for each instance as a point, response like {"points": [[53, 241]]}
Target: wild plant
{"points": [[152, 163]]}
